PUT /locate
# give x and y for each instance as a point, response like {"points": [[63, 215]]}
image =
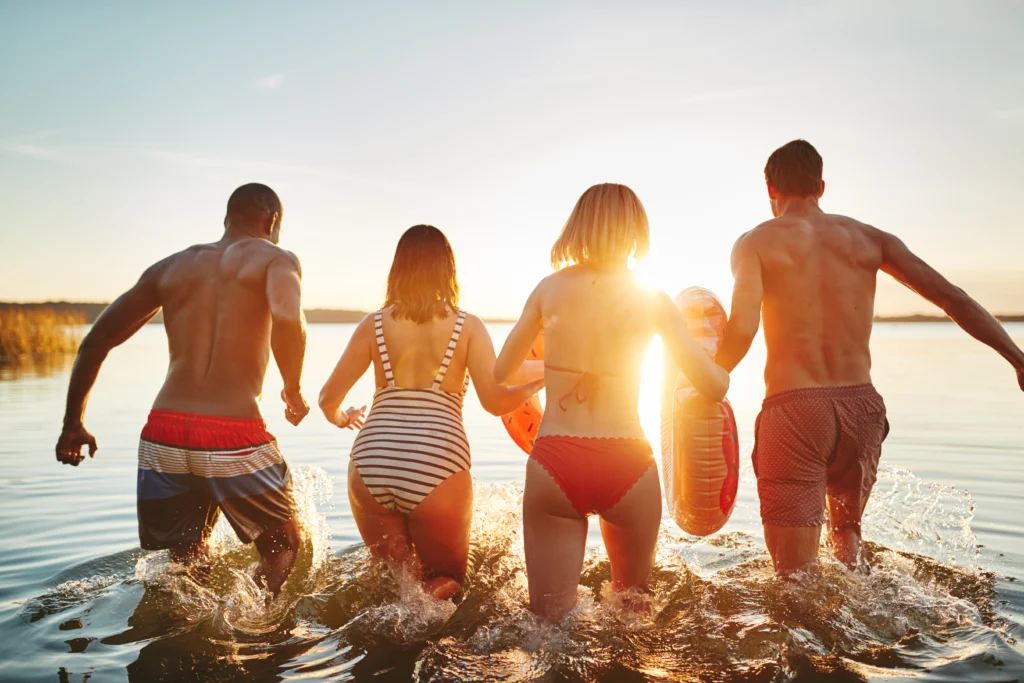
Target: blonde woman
{"points": [[408, 480], [591, 455]]}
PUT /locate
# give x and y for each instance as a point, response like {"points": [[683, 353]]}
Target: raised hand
{"points": [[69, 445], [295, 406]]}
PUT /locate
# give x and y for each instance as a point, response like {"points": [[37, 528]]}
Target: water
{"points": [[79, 601]]}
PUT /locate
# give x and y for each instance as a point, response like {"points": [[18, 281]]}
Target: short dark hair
{"points": [[422, 283], [795, 169], [253, 197]]}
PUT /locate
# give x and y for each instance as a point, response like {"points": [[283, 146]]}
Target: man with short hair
{"points": [[205, 448], [819, 435]]}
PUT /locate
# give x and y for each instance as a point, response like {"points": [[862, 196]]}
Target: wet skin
{"points": [[227, 306], [811, 275]]}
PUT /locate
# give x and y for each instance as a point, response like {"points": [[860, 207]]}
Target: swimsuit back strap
{"points": [[450, 351], [378, 326], [585, 388]]}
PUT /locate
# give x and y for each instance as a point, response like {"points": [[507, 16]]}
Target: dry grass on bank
{"points": [[38, 330]]}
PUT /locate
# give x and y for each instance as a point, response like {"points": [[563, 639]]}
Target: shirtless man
{"points": [[819, 435], [205, 448]]}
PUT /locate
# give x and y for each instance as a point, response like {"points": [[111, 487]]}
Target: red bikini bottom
{"points": [[593, 473]]}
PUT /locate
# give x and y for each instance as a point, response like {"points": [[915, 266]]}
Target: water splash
{"points": [[917, 516], [715, 610]]}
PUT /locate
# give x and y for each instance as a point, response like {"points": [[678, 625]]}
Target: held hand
{"points": [[295, 406], [69, 445], [350, 419]]}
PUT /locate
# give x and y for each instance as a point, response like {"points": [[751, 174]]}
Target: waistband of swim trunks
{"points": [[205, 432], [847, 391], [173, 417]]}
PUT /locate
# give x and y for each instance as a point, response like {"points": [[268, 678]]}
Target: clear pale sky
{"points": [[125, 126]]}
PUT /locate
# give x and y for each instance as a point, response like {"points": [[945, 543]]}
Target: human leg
{"points": [[795, 437], [854, 470], [630, 532], [385, 532], [554, 540], [439, 530], [278, 548]]}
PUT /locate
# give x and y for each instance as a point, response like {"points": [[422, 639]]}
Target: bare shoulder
{"points": [[748, 244], [365, 328], [473, 327], [175, 263], [849, 222], [549, 285], [273, 255]]}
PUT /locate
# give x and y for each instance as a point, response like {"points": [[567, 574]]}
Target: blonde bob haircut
{"points": [[607, 224]]}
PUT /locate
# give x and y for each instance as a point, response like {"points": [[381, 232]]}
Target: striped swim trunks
{"points": [[191, 467]]}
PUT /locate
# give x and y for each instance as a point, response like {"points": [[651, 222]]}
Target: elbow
{"points": [[742, 336], [493, 405], [501, 373], [723, 387], [93, 348], [955, 302], [717, 387], [288, 322]]}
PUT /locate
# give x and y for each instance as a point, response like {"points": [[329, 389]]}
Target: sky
{"points": [[125, 126]]}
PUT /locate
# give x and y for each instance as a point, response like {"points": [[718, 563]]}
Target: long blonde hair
{"points": [[608, 223]]}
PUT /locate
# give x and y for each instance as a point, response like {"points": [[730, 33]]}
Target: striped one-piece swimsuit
{"points": [[413, 439]]}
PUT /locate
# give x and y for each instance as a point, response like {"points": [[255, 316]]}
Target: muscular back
{"points": [[818, 272], [218, 322]]}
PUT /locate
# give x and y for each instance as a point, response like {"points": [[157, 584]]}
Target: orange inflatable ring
{"points": [[699, 445], [523, 422]]}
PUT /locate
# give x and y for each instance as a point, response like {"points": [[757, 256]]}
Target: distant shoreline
{"points": [[318, 316], [314, 316]]}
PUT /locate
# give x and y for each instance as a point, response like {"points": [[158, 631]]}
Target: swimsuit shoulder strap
{"points": [[450, 351], [378, 326]]}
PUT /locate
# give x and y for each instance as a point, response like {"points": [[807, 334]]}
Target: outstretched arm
{"points": [[288, 332], [116, 325], [708, 378], [911, 271], [745, 317], [480, 360], [520, 339], [351, 366]]}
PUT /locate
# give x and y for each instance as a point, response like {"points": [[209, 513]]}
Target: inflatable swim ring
{"points": [[523, 422], [699, 445]]}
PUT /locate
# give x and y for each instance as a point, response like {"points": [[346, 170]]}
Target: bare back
{"points": [[416, 350], [218, 323], [598, 321], [818, 271]]}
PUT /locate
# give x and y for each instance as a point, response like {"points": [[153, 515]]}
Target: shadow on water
{"points": [[716, 613]]}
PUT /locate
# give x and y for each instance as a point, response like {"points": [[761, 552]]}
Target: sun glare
{"points": [[650, 390]]}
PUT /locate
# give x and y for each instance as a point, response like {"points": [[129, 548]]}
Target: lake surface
{"points": [[944, 601]]}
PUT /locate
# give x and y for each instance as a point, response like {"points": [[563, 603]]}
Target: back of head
{"points": [[422, 283], [608, 224], [794, 170], [255, 205]]}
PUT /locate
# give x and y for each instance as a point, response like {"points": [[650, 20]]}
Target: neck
{"points": [[235, 231], [607, 265], [791, 205]]}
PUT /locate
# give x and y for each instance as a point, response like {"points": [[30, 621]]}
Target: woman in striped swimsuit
{"points": [[409, 483]]}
